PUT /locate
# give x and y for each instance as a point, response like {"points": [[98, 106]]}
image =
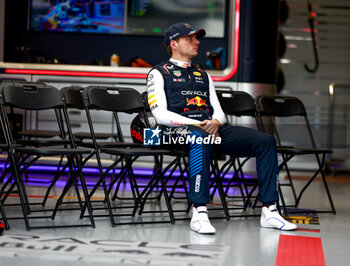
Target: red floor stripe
{"points": [[299, 250], [308, 230]]}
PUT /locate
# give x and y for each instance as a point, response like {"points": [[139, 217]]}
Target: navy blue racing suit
{"points": [[180, 96]]}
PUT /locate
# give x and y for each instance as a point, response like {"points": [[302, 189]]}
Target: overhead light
{"points": [[331, 89], [285, 61]]}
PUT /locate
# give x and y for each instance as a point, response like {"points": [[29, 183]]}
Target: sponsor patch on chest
{"points": [[177, 73], [179, 80], [198, 79]]}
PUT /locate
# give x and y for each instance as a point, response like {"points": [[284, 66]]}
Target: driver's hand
{"points": [[211, 126]]}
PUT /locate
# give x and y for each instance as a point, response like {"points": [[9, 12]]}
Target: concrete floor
{"points": [[239, 241]]}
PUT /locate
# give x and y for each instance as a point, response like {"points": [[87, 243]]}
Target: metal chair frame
{"points": [[286, 107], [39, 96]]}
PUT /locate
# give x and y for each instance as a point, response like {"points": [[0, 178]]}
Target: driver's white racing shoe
{"points": [[200, 222], [270, 218]]}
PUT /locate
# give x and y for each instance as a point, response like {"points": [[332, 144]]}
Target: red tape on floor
{"points": [[300, 250]]}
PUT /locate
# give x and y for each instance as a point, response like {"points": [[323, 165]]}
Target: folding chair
{"points": [[238, 104], [183, 167], [284, 108], [126, 100], [39, 96], [33, 137], [3, 148], [28, 135], [73, 97]]}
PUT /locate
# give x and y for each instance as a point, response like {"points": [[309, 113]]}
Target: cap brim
{"points": [[199, 33]]}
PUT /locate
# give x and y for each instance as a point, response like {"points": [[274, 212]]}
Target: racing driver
{"points": [[182, 97]]}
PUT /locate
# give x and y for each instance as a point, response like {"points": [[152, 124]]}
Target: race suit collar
{"points": [[180, 63]]}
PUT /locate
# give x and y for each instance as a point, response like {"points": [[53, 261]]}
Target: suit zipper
{"points": [[189, 75]]}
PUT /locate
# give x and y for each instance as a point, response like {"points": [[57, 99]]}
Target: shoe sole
{"points": [[203, 233], [281, 229]]}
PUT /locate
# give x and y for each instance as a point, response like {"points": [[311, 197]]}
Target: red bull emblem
{"points": [[196, 101]]}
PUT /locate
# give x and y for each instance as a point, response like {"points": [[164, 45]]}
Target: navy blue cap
{"points": [[181, 29]]}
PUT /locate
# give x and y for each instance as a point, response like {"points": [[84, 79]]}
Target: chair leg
{"points": [[20, 192], [167, 201], [285, 211], [185, 170], [166, 182], [189, 205], [119, 177], [328, 192], [109, 206], [3, 215], [23, 204], [86, 194], [76, 186], [289, 178], [180, 178], [166, 196], [141, 200], [69, 184], [5, 170], [236, 171], [133, 183], [17, 174], [114, 179], [159, 177], [321, 171], [105, 190], [321, 166], [223, 173], [121, 180], [58, 174], [249, 197], [220, 189]]}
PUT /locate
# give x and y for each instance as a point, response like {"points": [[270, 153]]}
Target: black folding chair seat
{"points": [[51, 151], [87, 135], [39, 133], [108, 144], [280, 108], [295, 150], [41, 142], [137, 151]]}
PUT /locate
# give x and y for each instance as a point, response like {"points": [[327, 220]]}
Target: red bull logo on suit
{"points": [[196, 101]]}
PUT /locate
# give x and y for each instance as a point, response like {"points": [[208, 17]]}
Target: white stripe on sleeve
{"points": [[214, 101]]}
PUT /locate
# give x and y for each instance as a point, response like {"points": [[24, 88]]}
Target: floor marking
{"points": [[299, 250], [112, 251], [308, 230], [307, 218]]}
